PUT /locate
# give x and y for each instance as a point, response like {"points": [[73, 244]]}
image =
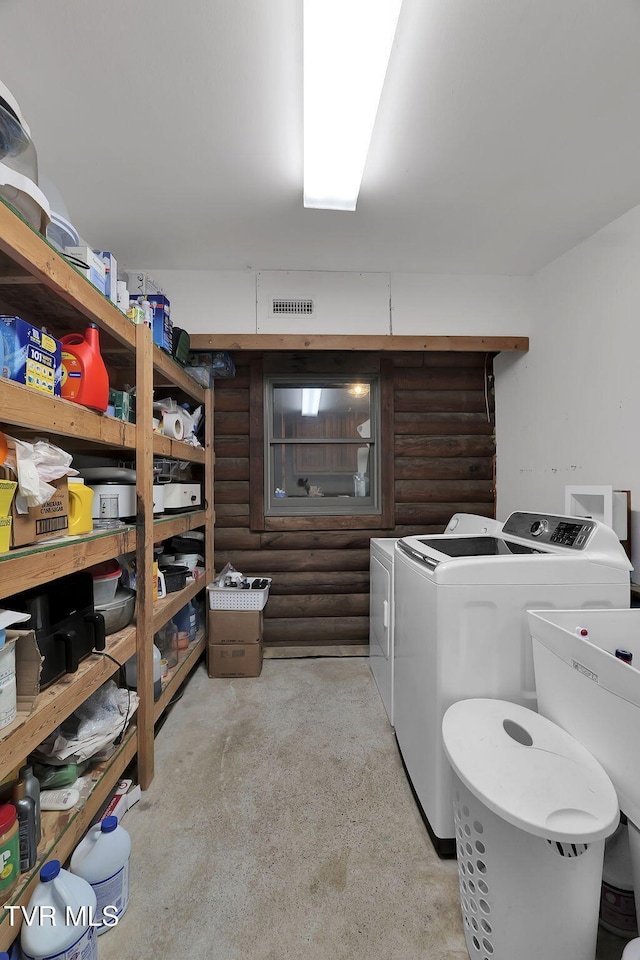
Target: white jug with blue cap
{"points": [[62, 912], [102, 859]]}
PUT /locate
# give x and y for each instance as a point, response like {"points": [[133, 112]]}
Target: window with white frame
{"points": [[322, 446]]}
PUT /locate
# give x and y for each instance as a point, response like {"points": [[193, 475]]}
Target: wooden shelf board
{"points": [[40, 563], [177, 449], [24, 253], [62, 831], [179, 674], [61, 699], [164, 609], [173, 526], [23, 407], [270, 341], [176, 375]]}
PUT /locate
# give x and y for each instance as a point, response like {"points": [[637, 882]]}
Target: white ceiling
{"points": [[509, 130]]}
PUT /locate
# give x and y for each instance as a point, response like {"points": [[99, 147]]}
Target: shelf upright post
{"points": [[208, 485], [144, 556]]}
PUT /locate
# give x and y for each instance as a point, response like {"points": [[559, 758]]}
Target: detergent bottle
{"points": [[84, 376]]}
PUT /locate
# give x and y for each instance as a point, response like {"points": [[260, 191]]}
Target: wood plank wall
{"points": [[443, 463]]}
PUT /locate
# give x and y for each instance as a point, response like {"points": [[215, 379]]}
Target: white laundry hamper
{"points": [[532, 809]]}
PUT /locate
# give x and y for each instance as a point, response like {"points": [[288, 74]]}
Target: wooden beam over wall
{"points": [[270, 341]]}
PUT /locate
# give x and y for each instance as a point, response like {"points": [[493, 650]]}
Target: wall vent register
{"points": [[292, 307]]}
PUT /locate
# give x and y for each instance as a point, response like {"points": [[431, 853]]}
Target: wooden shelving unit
{"points": [[40, 286]]}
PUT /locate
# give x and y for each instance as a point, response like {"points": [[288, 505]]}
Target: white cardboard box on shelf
{"points": [[122, 800]]}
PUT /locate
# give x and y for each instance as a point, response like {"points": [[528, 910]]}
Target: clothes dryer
{"points": [[381, 618], [461, 628]]}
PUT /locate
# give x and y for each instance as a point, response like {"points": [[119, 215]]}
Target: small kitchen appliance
{"points": [[65, 623], [182, 496]]}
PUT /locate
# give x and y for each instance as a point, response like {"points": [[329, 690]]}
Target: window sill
{"points": [[334, 522]]}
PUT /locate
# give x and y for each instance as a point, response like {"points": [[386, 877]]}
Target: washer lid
{"points": [[529, 771]]}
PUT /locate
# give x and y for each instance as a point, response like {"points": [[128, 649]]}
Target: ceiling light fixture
{"points": [[346, 51], [310, 401]]}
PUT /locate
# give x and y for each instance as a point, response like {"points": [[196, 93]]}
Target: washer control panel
{"points": [[573, 532]]}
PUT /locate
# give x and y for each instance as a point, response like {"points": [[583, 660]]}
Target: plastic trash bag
{"points": [[36, 465], [92, 727]]}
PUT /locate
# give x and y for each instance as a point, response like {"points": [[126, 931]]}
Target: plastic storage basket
{"points": [[232, 598], [532, 809]]}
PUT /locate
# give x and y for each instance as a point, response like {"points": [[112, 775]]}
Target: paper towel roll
{"points": [[173, 426]]}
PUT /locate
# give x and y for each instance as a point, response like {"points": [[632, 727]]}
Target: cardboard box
{"points": [[50, 519], [123, 798], [110, 274], [140, 284], [234, 626], [28, 669], [30, 356], [234, 659], [120, 400], [95, 271]]}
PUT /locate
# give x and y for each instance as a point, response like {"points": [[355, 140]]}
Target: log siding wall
{"points": [[441, 454]]}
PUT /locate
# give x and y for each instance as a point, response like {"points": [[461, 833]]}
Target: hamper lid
{"points": [[529, 771]]}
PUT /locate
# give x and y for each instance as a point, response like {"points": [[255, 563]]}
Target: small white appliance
{"points": [[113, 501], [461, 628], [182, 496], [114, 493], [19, 164]]}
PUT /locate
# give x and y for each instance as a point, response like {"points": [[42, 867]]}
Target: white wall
{"points": [[567, 412], [209, 301], [434, 305]]}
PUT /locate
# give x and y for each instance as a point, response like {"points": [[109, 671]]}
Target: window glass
{"points": [[322, 453]]}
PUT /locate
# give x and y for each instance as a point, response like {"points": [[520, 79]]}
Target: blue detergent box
{"points": [[162, 324], [30, 356]]}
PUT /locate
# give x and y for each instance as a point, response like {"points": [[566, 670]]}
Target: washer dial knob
{"points": [[538, 527]]}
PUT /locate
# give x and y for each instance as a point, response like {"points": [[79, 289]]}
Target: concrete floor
{"points": [[280, 826]]}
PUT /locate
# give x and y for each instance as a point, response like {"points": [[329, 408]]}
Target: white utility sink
{"points": [[583, 687]]}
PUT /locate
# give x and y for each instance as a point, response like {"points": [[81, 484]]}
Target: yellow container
{"points": [[5, 534], [7, 490], [80, 505]]}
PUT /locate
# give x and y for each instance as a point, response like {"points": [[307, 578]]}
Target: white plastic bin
{"points": [[532, 810], [232, 598]]}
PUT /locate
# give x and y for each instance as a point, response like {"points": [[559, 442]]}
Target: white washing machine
{"points": [[461, 628], [381, 601]]}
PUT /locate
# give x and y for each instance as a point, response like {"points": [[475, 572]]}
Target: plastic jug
{"points": [[84, 376], [186, 620], [63, 910], [102, 859], [80, 506], [131, 672]]}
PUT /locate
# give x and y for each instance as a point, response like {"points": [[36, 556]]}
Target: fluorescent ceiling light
{"points": [[346, 50], [310, 401]]}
